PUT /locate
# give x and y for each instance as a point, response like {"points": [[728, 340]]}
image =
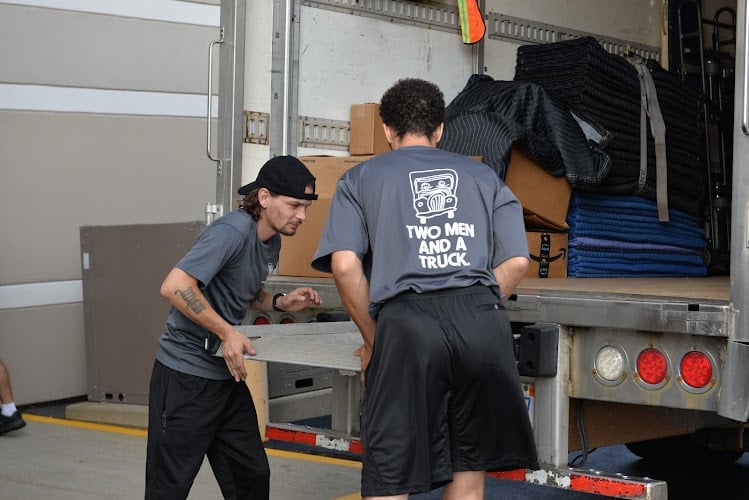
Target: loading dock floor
{"points": [[64, 459]]}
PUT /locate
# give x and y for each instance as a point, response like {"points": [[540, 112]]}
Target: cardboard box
{"points": [[297, 251], [548, 252], [367, 136], [545, 198]]}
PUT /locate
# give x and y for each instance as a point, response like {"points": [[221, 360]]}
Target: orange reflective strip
{"points": [[290, 436], [513, 475], [607, 486], [472, 26]]}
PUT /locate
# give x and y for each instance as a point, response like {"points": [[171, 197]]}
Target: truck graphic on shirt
{"points": [[434, 193]]}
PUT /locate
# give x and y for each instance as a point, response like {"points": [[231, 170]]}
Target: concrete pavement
{"points": [[62, 459]]}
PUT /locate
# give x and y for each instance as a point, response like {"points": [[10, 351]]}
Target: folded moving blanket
{"points": [[584, 257], [600, 244], [620, 236], [633, 205], [631, 232], [635, 225], [625, 270], [604, 89]]}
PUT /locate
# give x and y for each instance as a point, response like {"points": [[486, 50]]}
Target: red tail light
{"points": [[261, 320], [652, 366], [286, 321], [696, 369]]}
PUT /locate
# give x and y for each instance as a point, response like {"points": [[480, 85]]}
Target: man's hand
{"points": [[365, 353], [234, 346], [299, 298]]}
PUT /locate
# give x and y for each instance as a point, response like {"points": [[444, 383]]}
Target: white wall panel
{"points": [[40, 294], [77, 49], [117, 102], [204, 13], [345, 59]]}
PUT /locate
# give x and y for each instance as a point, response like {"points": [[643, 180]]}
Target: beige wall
{"points": [[106, 156]]}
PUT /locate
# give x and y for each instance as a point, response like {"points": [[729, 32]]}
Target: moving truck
{"points": [[658, 363]]}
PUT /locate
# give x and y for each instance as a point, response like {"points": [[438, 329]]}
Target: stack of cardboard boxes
{"points": [[366, 140], [545, 201]]}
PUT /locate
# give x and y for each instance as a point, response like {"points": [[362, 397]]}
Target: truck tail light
{"points": [[652, 366], [286, 321], [261, 320], [609, 364], [696, 369]]}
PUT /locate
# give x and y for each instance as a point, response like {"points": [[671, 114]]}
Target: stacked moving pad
{"points": [[614, 229], [605, 89], [620, 236]]}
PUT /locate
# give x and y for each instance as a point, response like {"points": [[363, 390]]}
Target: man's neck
{"points": [[264, 230], [413, 140]]}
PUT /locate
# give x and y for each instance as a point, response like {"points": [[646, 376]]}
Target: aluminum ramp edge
{"points": [[323, 345]]}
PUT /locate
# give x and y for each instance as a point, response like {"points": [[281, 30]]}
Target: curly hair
{"points": [[413, 106]]}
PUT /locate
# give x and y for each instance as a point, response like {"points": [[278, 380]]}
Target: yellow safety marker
{"points": [[143, 433]]}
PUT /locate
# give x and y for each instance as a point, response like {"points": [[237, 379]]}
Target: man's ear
{"points": [[390, 134], [263, 197], [437, 135]]}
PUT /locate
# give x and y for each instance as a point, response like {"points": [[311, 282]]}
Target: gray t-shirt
{"points": [[424, 219], [230, 264]]}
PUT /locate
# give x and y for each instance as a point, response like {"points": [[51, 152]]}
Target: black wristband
{"points": [[275, 302]]}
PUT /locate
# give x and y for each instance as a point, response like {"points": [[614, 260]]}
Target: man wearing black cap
{"points": [[199, 404]]}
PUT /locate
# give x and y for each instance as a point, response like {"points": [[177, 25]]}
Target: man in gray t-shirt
{"points": [[424, 245], [199, 405]]}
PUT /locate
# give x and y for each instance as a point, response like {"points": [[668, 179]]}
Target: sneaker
{"points": [[12, 423]]}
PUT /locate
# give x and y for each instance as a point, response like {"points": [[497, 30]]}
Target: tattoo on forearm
{"points": [[191, 300]]}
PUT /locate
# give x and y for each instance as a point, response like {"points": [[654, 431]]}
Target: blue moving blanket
{"points": [[620, 236]]}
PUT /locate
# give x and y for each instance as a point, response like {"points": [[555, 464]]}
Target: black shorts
{"points": [[442, 393]]}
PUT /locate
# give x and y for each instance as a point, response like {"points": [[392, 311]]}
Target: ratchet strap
{"points": [[651, 109]]}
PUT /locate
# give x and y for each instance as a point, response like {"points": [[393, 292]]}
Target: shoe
{"points": [[12, 423]]}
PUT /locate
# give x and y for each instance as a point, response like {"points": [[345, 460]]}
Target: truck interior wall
{"points": [[333, 74], [257, 79], [347, 59], [637, 21], [68, 160]]}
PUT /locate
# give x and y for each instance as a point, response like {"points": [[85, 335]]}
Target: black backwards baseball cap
{"points": [[284, 175]]}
